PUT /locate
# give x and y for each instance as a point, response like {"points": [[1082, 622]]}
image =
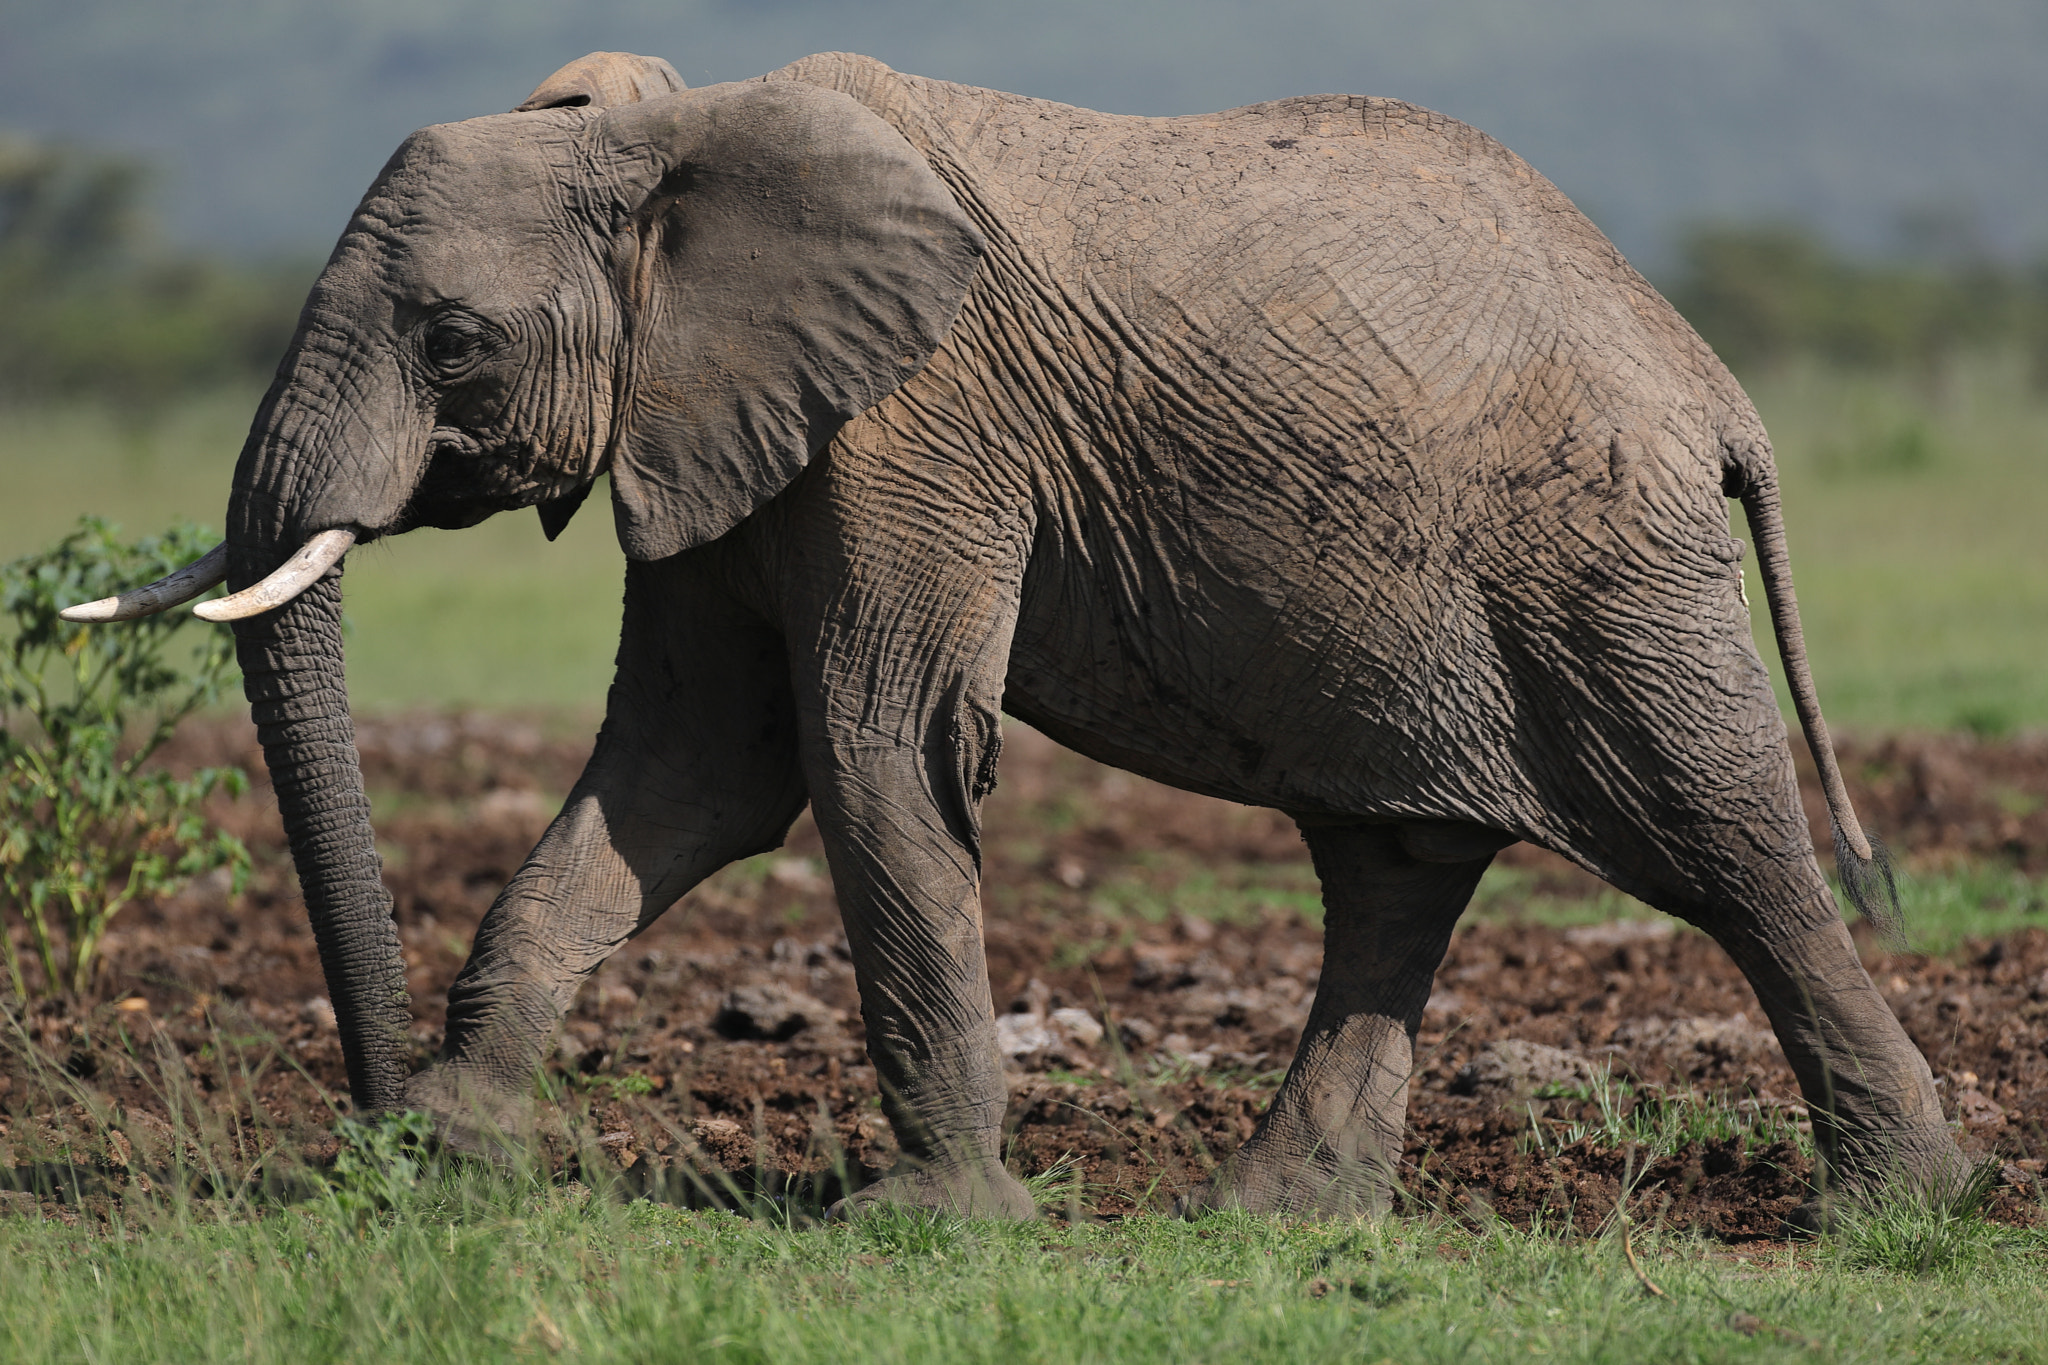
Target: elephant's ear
{"points": [[599, 80], [603, 79], [786, 260]]}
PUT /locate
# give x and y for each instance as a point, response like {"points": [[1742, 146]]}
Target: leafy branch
{"points": [[86, 826]]}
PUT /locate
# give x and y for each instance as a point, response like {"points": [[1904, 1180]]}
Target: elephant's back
{"points": [[1393, 253], [1344, 235]]}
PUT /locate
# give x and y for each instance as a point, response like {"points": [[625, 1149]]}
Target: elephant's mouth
{"points": [[462, 486]]}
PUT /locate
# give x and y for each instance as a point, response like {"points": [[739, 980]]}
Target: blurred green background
{"points": [[1907, 394], [491, 616]]}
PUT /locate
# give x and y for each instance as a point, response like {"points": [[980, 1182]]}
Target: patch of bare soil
{"points": [[1143, 1040]]}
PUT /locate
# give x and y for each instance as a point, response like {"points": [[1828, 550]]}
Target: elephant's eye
{"points": [[453, 342]]}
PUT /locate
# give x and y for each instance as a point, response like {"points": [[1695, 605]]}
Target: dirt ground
{"points": [[1155, 954]]}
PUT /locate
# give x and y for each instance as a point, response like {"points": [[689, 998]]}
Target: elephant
{"points": [[1317, 454]]}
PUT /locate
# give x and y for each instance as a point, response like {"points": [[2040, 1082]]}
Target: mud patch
{"points": [[1143, 1039]]}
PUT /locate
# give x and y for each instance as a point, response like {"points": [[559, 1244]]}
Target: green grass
{"points": [[477, 1266], [1156, 885], [1656, 1122], [1513, 894], [1928, 1232], [1942, 908], [1915, 526]]}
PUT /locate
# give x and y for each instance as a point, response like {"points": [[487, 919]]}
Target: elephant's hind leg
{"points": [[1329, 1142], [1870, 1092], [695, 767], [1711, 830], [1876, 1116]]}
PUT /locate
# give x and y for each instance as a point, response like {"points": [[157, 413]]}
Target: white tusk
{"points": [[290, 579], [167, 592]]}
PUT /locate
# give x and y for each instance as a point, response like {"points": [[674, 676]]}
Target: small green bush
{"points": [[381, 1163], [85, 826], [1762, 294]]}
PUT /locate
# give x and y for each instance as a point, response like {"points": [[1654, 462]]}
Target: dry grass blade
{"points": [[1750, 1325], [1628, 1248]]}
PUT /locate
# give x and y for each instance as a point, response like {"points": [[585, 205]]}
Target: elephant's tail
{"points": [[1861, 858]]}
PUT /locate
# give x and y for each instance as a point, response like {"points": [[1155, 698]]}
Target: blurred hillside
{"points": [[97, 307], [1767, 296], [270, 118], [93, 308]]}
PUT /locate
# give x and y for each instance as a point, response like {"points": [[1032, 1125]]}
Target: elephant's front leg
{"points": [[905, 865], [696, 766], [901, 641]]}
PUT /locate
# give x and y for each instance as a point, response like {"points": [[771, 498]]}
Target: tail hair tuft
{"points": [[1872, 887]]}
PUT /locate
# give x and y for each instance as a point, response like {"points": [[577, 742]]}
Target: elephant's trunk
{"points": [[293, 675], [301, 478]]}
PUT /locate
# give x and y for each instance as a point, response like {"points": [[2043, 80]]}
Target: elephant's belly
{"points": [[1307, 709]]}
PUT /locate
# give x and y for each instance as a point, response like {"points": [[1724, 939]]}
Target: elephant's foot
{"points": [[1938, 1177], [983, 1190], [473, 1115], [1285, 1180], [1327, 1145], [1863, 1169], [1814, 1218], [1864, 1160]]}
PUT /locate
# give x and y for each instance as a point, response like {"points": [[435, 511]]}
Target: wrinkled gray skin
{"points": [[1317, 455]]}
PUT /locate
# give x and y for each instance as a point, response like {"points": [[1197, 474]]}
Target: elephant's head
{"points": [[692, 292]]}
